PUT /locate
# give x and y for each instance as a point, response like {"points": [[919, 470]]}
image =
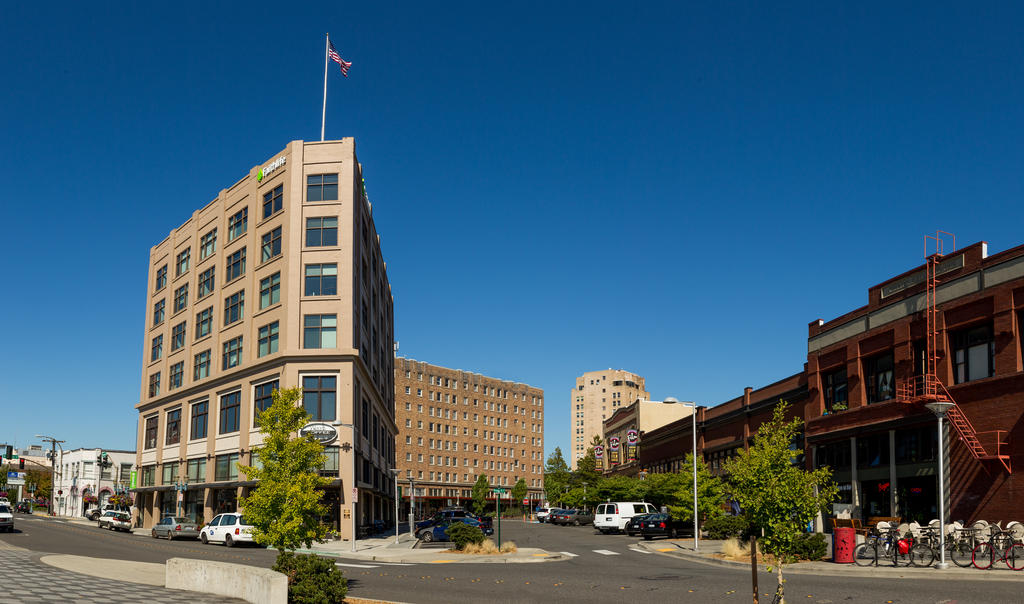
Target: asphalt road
{"points": [[601, 568]]}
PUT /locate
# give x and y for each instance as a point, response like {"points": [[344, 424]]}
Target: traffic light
{"points": [[21, 463], [9, 451]]}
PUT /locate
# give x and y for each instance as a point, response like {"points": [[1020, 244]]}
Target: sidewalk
{"points": [[384, 549], [707, 550]]}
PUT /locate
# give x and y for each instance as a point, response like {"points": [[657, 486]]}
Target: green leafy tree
{"points": [[711, 493], [519, 491], [556, 476], [620, 488], [42, 481], [480, 490], [285, 508], [776, 495]]}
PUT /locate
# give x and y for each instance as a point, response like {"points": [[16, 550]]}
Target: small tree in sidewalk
{"points": [[776, 494], [285, 509], [480, 490], [519, 492]]}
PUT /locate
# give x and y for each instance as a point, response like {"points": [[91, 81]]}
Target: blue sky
{"points": [[560, 187]]}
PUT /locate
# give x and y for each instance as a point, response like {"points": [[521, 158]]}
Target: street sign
{"points": [[355, 495], [526, 501], [133, 477]]}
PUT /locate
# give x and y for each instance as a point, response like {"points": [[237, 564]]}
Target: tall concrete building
{"points": [[596, 396], [454, 425], [278, 282]]}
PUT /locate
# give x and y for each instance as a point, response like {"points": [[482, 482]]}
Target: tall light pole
{"points": [[693, 418], [353, 493], [939, 408], [54, 443], [394, 472], [412, 506]]}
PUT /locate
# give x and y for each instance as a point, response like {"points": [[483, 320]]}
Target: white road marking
{"points": [[606, 552], [396, 564], [639, 551], [356, 565], [570, 554]]}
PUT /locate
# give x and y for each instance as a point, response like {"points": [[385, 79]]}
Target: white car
{"points": [[5, 501], [6, 518], [116, 521], [542, 514], [228, 529], [613, 516]]}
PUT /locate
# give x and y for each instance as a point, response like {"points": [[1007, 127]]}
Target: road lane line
{"points": [[639, 551], [356, 565], [606, 552], [570, 554]]}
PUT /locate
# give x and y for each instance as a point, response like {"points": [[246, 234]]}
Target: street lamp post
{"points": [[54, 443], [180, 487], [355, 487], [394, 472], [939, 408], [693, 416], [412, 506]]}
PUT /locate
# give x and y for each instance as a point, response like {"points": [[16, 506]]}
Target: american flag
{"points": [[337, 59]]}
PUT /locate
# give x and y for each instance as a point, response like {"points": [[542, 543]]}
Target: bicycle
{"points": [[1002, 543], [881, 543]]}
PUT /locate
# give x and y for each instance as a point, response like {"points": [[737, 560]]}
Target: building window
{"points": [[270, 290], [176, 375], [321, 232], [263, 398], [156, 350], [148, 477], [204, 322], [233, 353], [267, 340], [170, 473], [177, 336], [321, 279], [154, 384], [161, 278], [879, 378], [151, 429], [199, 414], [974, 352], [234, 307], [202, 366], [238, 223], [330, 467], [206, 282], [322, 187], [229, 408], [917, 445], [181, 298], [207, 244], [181, 265], [227, 468], [236, 265], [173, 427], [158, 313], [196, 471], [318, 396], [873, 450], [834, 384], [271, 245], [272, 200], [320, 331]]}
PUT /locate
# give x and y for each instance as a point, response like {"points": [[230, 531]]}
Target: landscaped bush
{"points": [[724, 527], [810, 546], [311, 579], [461, 534]]}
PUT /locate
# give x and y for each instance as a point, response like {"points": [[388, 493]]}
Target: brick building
{"points": [[636, 419], [455, 425], [860, 388]]}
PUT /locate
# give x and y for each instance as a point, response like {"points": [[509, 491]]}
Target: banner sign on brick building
{"points": [[599, 457], [613, 451], [632, 446]]}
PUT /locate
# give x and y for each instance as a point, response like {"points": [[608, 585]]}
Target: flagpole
{"points": [[323, 116]]}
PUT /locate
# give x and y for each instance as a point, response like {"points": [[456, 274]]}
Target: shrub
{"points": [[810, 546], [311, 579], [462, 534], [509, 547], [724, 527]]}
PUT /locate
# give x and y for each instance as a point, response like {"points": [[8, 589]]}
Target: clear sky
{"points": [[560, 187]]}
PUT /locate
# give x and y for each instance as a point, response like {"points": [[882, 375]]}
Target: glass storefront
{"points": [[226, 500], [192, 506]]}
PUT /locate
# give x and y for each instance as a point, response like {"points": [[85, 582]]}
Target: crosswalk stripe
{"points": [[570, 554], [356, 565], [639, 551], [606, 552]]}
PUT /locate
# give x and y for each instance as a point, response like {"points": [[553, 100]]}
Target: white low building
{"points": [[80, 478]]}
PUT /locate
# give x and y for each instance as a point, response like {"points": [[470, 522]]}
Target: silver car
{"points": [[172, 527]]}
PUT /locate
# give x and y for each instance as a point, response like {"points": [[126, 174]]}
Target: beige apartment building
{"points": [[596, 396], [455, 425], [278, 282]]}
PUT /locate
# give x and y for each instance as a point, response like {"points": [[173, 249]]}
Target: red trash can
{"points": [[844, 539]]}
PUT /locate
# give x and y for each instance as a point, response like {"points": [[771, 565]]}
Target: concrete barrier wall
{"points": [[252, 584]]}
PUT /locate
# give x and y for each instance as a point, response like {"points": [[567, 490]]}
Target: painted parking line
{"points": [[442, 561], [356, 565], [667, 549], [606, 552], [639, 551], [570, 554]]}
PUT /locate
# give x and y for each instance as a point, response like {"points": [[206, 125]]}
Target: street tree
{"points": [[519, 491], [481, 488], [285, 509], [776, 494], [711, 493], [556, 476]]}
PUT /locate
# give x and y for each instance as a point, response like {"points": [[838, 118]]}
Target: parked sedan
{"points": [[116, 521], [171, 527], [578, 517], [559, 516], [662, 525], [439, 531], [230, 529], [633, 526]]}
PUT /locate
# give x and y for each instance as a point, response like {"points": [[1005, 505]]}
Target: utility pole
{"points": [[53, 468]]}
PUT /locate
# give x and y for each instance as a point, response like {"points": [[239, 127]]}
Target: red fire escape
{"points": [[928, 388]]}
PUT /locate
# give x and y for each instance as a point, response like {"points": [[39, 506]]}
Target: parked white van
{"points": [[613, 516]]}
